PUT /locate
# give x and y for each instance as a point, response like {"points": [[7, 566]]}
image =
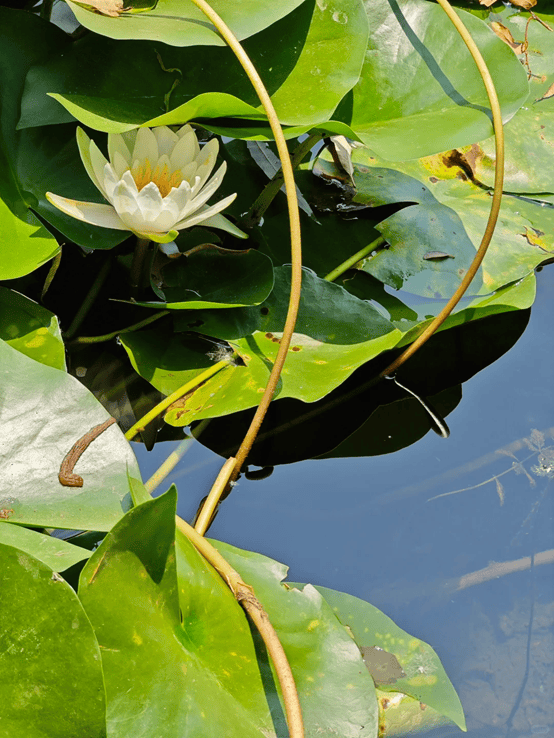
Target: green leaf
{"points": [[529, 136], [424, 676], [420, 91], [336, 693], [53, 552], [171, 22], [193, 671], [296, 57], [52, 682], [335, 333], [44, 411], [31, 329], [36, 161], [215, 278], [522, 240]]}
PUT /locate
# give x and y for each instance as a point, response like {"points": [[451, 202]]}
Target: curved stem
{"points": [[170, 399], [354, 259], [270, 191], [129, 329], [212, 501], [496, 198], [294, 218]]}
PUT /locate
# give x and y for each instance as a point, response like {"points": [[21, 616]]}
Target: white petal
{"points": [[146, 147], [84, 144], [124, 199], [184, 131], [164, 221], [209, 153], [189, 171], [180, 196], [150, 202], [129, 181], [166, 139], [110, 181], [129, 138], [206, 192], [89, 212], [118, 149], [185, 151], [119, 164], [205, 213], [98, 162]]}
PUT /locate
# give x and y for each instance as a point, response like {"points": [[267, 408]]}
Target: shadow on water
{"points": [[368, 526]]}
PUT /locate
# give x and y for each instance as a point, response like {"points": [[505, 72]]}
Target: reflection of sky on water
{"points": [[364, 526]]}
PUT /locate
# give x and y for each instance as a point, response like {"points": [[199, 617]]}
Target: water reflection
{"points": [[365, 526]]}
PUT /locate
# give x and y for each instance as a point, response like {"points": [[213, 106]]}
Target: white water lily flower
{"points": [[156, 182]]}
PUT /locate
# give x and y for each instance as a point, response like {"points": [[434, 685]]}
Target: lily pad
{"points": [[171, 22], [419, 90], [52, 682], [38, 160], [296, 58], [336, 692], [522, 239], [53, 552], [335, 333], [213, 277], [196, 669], [44, 412], [31, 329], [424, 676]]}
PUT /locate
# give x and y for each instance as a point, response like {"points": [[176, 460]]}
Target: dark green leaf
{"points": [[55, 553]]}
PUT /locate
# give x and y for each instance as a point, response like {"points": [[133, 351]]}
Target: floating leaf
{"points": [[55, 553], [44, 411], [424, 676], [31, 329], [335, 333], [52, 682]]}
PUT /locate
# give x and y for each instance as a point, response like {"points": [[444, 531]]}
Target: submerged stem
{"points": [[89, 299], [354, 259], [138, 265]]}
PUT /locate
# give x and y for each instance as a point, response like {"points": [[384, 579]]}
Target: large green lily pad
{"points": [[335, 333], [186, 670], [336, 693], [295, 57], [44, 411], [178, 24], [52, 681]]}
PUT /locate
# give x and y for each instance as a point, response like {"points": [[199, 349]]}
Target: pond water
{"points": [[367, 526]]}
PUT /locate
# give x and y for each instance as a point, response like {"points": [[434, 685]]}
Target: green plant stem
{"points": [[353, 260], [46, 9], [496, 198], [89, 299], [294, 219], [270, 191], [137, 266], [212, 501], [170, 399], [252, 606], [173, 459], [129, 329], [56, 261]]}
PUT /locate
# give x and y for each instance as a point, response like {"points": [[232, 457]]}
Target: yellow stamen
{"points": [[161, 176]]}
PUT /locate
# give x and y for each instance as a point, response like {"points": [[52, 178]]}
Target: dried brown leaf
{"points": [[504, 33], [547, 94], [111, 8]]}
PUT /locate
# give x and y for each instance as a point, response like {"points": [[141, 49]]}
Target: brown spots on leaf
{"points": [[296, 348], [534, 237], [5, 514], [272, 338], [433, 179]]}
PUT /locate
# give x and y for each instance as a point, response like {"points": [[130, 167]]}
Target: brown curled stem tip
{"points": [[66, 475]]}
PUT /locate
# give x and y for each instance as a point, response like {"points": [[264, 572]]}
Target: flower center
{"points": [[162, 176]]}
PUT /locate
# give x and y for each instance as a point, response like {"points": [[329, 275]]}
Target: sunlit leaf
{"points": [[52, 681], [44, 411], [55, 553], [31, 329]]}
